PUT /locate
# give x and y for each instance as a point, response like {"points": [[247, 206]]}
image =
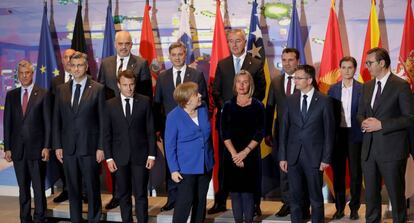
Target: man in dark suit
{"points": [[223, 91], [348, 139], [27, 128], [164, 101], [108, 72], [306, 143], [385, 112], [56, 81], [78, 120], [130, 146]]}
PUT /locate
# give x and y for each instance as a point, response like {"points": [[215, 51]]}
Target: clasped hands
{"points": [[239, 157], [371, 125]]}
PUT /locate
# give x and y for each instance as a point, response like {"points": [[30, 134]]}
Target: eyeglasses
{"points": [[300, 78], [78, 65], [369, 63]]}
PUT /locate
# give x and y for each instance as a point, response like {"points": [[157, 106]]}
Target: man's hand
{"points": [[323, 166], [283, 166], [59, 154], [112, 166], [371, 125], [176, 177], [269, 140], [7, 156], [45, 154], [150, 163], [99, 155]]}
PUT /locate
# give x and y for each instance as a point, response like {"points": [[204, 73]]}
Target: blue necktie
{"points": [[237, 65]]}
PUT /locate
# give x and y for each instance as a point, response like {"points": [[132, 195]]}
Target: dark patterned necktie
{"points": [[178, 79], [75, 103], [304, 106]]}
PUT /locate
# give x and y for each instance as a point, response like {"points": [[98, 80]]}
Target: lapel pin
{"points": [[90, 86]]}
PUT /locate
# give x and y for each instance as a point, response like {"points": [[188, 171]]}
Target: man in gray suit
{"points": [[385, 112], [164, 101], [108, 73]]}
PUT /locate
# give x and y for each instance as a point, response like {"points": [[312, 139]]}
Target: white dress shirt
{"points": [[68, 76], [182, 74], [308, 99], [29, 92], [124, 63], [346, 101], [242, 57], [82, 83]]}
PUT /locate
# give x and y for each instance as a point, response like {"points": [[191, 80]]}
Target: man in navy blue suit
{"points": [[306, 142], [348, 141]]}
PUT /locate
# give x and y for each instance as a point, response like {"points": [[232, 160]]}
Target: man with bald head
{"points": [[110, 68]]}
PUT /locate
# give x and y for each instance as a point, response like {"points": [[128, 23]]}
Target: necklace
{"points": [[243, 102]]}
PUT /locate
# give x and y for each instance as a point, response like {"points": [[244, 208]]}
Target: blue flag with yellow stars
{"points": [[46, 61]]}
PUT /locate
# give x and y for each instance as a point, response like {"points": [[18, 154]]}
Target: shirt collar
{"points": [[182, 69], [123, 97], [242, 57], [309, 94], [29, 88], [118, 58], [384, 79], [352, 84], [82, 82]]}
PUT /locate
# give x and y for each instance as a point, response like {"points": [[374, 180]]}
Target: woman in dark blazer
{"points": [[189, 152], [242, 129]]}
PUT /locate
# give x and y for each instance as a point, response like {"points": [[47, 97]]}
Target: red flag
{"points": [[219, 51], [372, 40], [405, 66], [332, 53], [147, 44]]}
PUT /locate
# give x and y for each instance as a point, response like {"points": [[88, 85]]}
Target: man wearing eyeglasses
{"points": [[385, 112], [306, 144], [108, 73]]}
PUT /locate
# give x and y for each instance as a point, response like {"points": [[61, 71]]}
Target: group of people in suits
{"points": [[118, 120]]}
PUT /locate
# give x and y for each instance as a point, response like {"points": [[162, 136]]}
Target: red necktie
{"points": [[289, 85], [25, 100]]}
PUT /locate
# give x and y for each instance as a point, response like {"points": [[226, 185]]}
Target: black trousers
{"points": [[344, 149], [31, 172], [78, 168], [133, 179], [192, 192], [301, 176], [393, 173]]}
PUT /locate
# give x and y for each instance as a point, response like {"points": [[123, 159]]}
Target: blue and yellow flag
{"points": [[108, 48], [295, 34]]}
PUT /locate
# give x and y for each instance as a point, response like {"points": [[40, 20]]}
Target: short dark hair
{"points": [[128, 74], [348, 59], [310, 71], [292, 50], [177, 45], [381, 54], [79, 55]]}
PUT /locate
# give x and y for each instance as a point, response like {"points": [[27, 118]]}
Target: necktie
{"points": [[25, 100], [70, 77], [75, 103], [237, 65], [127, 109], [121, 65], [178, 79], [289, 85], [304, 106], [378, 94]]}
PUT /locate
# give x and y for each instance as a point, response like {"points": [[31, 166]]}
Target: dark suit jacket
{"points": [[223, 81], [164, 89], [395, 110], [56, 81], [81, 132], [107, 76], [30, 133], [314, 135], [335, 91], [129, 140]]}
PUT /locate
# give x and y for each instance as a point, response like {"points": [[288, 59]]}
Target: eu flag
{"points": [[46, 69], [108, 48], [46, 61], [295, 34]]}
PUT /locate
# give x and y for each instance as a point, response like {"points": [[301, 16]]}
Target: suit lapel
{"points": [[313, 103], [230, 67], [85, 94], [131, 63], [170, 80], [296, 107], [187, 76], [282, 85], [120, 109], [385, 92], [246, 63]]}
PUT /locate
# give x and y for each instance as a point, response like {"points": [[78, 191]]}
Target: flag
{"points": [[184, 33], [108, 48], [147, 44], [332, 53], [219, 51], [255, 47], [372, 40], [46, 69], [78, 37], [295, 34]]}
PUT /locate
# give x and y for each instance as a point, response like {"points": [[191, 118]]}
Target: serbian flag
{"points": [[219, 51], [147, 44], [332, 53], [372, 40]]}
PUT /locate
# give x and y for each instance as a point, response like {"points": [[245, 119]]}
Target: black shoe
{"points": [[85, 198], [168, 206], [61, 197], [354, 215], [283, 211], [338, 215], [112, 204], [257, 210], [217, 208], [306, 215]]}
